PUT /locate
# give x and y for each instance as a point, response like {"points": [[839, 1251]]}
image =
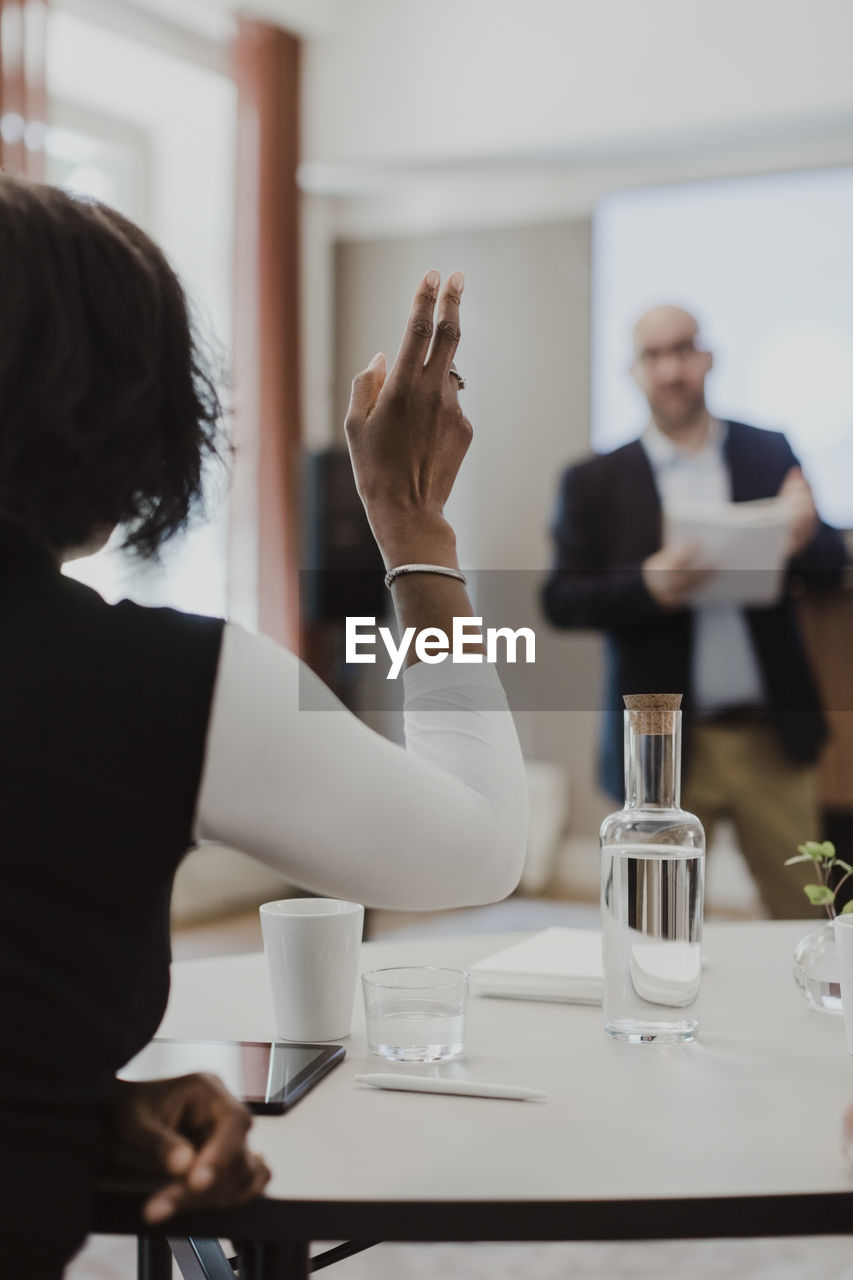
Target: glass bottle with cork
{"points": [[652, 884]]}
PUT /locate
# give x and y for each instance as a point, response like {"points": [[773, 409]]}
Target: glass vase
{"points": [[816, 968]]}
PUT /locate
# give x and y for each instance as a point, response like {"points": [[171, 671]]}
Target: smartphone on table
{"points": [[268, 1077]]}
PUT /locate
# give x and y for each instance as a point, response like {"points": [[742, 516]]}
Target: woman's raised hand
{"points": [[407, 433]]}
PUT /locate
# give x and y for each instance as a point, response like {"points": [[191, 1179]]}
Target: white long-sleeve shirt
{"points": [[339, 809]]}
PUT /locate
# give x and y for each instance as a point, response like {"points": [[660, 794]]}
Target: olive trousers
{"points": [[741, 771]]}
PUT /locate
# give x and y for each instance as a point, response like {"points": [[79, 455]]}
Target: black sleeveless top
{"points": [[103, 717]]}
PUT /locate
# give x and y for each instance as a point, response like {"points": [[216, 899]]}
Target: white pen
{"points": [[435, 1084]]}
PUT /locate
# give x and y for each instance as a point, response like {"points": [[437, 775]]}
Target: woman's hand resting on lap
{"points": [[191, 1131]]}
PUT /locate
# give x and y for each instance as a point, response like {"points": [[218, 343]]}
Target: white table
{"points": [[737, 1134]]}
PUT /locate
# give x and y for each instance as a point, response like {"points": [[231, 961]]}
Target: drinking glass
{"points": [[416, 1013]]}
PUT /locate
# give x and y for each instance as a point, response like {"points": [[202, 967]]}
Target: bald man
{"points": [[753, 723]]}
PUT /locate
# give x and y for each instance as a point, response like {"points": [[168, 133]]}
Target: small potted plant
{"points": [[815, 957]]}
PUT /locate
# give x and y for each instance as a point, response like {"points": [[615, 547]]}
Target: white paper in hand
{"points": [[555, 964], [745, 541]]}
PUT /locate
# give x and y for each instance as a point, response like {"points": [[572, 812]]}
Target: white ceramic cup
{"points": [[312, 948], [844, 943]]}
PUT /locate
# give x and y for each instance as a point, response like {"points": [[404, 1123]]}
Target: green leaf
{"points": [[816, 851], [802, 857], [845, 865], [847, 909], [819, 894]]}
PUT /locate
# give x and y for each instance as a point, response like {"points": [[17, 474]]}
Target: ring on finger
{"points": [[460, 381]]}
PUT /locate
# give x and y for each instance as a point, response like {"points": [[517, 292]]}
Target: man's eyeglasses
{"points": [[681, 351]]}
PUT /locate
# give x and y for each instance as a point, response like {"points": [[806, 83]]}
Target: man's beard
{"points": [[678, 412]]}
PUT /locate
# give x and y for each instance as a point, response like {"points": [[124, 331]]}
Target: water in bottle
{"points": [[652, 876]]}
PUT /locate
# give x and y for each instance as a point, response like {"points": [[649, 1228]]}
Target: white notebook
{"points": [[745, 541], [556, 964]]}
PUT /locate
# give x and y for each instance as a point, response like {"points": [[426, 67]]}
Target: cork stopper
{"points": [[652, 712]]}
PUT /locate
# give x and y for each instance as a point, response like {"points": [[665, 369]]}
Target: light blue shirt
{"points": [[725, 672]]}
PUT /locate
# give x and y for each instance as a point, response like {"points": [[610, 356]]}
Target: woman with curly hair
{"points": [[128, 734]]}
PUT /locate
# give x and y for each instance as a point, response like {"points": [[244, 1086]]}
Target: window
{"points": [[145, 128]]}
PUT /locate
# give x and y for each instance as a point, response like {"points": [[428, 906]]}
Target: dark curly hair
{"points": [[107, 414]]}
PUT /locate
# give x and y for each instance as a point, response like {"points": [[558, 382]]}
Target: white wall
{"points": [[524, 354], [182, 116]]}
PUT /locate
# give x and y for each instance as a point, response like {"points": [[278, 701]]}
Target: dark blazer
{"points": [[608, 521]]}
